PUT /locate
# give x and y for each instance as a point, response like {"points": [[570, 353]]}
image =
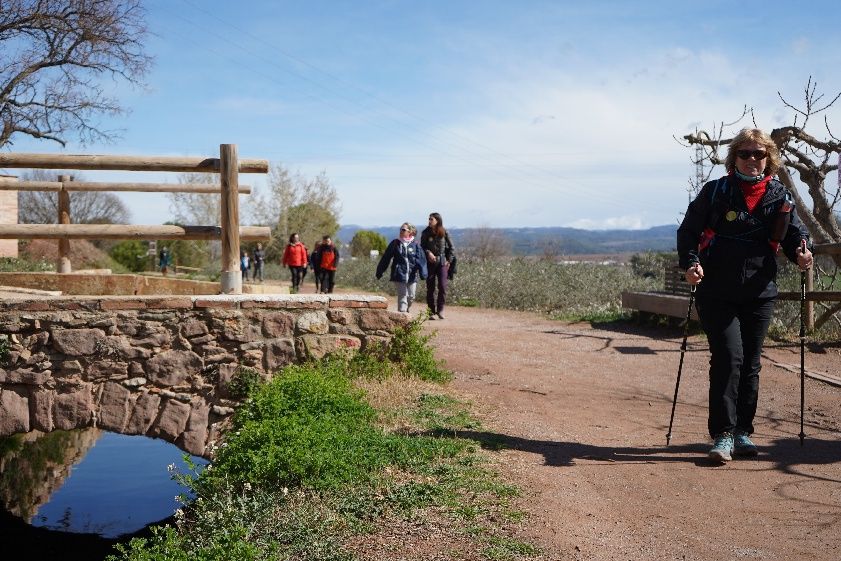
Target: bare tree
{"points": [[199, 209], [295, 203], [53, 54], [485, 243], [86, 207], [805, 156]]}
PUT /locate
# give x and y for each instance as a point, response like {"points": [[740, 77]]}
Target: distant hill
{"points": [[564, 241]]}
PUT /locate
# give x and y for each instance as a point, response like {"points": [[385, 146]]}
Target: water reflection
{"points": [[88, 481]]}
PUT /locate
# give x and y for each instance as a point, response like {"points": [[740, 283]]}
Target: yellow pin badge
{"points": [[731, 215]]}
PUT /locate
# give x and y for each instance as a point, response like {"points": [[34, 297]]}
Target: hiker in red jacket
{"points": [[295, 257], [325, 261]]}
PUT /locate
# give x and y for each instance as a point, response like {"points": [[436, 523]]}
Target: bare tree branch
{"points": [[53, 54]]}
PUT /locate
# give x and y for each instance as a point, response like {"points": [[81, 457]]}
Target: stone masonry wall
{"points": [[161, 366]]}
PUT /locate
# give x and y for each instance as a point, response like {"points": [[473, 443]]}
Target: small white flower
{"points": [[247, 486], [170, 468], [285, 491]]}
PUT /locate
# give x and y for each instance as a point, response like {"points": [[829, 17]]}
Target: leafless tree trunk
{"points": [[485, 243], [88, 207], [53, 55]]}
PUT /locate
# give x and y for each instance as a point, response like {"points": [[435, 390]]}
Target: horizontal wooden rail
{"points": [[125, 163], [827, 249], [814, 296], [11, 185], [126, 232]]}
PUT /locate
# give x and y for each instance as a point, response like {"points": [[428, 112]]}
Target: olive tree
{"points": [[364, 241], [53, 57]]}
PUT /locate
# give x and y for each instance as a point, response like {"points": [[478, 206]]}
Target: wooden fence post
{"points": [[231, 279], [63, 265]]}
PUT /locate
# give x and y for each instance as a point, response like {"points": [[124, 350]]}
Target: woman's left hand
{"points": [[804, 257]]}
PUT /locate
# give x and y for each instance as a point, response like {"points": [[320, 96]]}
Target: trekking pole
{"points": [[680, 366], [802, 344]]}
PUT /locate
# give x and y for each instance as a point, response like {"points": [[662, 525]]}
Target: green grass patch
{"points": [[307, 467]]}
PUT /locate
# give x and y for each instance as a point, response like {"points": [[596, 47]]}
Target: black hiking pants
{"points": [[735, 331]]}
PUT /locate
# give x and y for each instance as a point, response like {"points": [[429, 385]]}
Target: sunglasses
{"points": [[404, 230], [746, 154]]}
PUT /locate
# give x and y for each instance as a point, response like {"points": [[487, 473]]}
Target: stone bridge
{"points": [[162, 366]]}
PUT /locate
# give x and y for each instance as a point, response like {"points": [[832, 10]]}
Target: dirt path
{"points": [[584, 413]]}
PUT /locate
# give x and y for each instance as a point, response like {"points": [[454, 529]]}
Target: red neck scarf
{"points": [[753, 192]]}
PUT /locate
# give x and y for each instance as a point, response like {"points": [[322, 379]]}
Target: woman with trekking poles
{"points": [[436, 244], [728, 244]]}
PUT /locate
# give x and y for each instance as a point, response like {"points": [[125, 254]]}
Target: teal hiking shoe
{"points": [[742, 445], [723, 448]]}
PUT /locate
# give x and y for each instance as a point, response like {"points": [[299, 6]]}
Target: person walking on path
{"points": [[259, 258], [408, 262], [727, 244], [164, 260], [438, 248], [244, 264], [327, 260], [316, 272], [295, 257]]}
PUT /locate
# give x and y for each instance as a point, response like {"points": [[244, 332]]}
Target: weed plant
{"points": [[16, 265], [308, 471]]}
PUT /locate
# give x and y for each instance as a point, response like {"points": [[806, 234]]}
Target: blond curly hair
{"points": [[746, 136]]}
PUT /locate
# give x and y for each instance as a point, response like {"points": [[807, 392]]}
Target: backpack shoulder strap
{"points": [[719, 202]]}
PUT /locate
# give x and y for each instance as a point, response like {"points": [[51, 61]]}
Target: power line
{"points": [[522, 175]]}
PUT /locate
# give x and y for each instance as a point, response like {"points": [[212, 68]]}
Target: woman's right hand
{"points": [[694, 274]]}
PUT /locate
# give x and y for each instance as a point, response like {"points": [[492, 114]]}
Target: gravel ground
{"points": [[584, 414]]}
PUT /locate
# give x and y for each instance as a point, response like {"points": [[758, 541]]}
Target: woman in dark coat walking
{"points": [[436, 244]]}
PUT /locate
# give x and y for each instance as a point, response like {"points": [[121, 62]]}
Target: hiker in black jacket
{"points": [[727, 243], [436, 244]]}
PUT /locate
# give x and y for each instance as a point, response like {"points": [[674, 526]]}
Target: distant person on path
{"points": [[327, 261], [436, 244], [295, 257], [244, 264], [316, 272], [258, 260], [164, 260], [727, 243], [408, 262]]}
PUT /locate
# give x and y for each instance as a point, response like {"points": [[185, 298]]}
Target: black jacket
{"points": [[739, 261], [438, 246]]}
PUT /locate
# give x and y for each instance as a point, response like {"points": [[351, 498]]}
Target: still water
{"points": [[87, 481]]}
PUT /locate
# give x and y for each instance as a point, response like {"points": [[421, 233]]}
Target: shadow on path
{"points": [[782, 454]]}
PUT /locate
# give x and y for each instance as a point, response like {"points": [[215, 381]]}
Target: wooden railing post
{"points": [[63, 265], [231, 279]]}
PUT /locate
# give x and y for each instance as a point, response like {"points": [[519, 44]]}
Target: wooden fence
{"points": [[674, 299], [228, 166]]}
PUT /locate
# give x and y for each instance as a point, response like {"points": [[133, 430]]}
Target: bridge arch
{"points": [[161, 365]]}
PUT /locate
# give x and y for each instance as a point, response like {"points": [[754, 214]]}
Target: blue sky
{"points": [[493, 113]]}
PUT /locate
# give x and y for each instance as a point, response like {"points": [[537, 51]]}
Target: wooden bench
{"points": [[672, 301]]}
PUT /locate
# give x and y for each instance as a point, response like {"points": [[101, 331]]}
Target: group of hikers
{"points": [[253, 263], [324, 260], [430, 258]]}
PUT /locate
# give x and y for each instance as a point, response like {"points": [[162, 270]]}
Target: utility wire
{"points": [[579, 192]]}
